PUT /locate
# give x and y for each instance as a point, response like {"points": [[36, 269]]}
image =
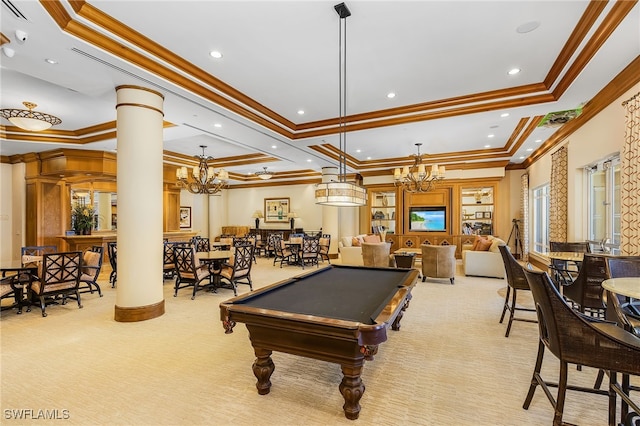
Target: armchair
{"points": [[59, 275], [438, 261], [91, 265], [376, 254], [189, 273], [240, 271]]}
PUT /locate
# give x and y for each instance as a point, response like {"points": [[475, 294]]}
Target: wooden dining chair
{"points": [[516, 280], [575, 338], [91, 266], [239, 272], [112, 253], [190, 273], [59, 275]]}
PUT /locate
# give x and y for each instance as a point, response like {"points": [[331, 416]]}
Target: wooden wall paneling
{"points": [[51, 207], [31, 223], [171, 210]]}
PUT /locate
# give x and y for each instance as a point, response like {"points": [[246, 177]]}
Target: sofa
{"points": [[484, 263], [350, 248]]}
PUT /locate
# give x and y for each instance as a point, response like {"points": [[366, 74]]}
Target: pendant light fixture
{"points": [[335, 190]]}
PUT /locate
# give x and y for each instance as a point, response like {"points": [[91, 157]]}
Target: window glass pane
{"points": [[598, 228], [541, 219]]}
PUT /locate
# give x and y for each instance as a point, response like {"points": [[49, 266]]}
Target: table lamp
{"points": [[257, 215], [292, 216]]}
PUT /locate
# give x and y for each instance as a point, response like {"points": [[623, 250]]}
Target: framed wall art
{"points": [[185, 217], [276, 210]]}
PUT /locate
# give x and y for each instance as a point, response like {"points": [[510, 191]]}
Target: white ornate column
{"points": [[140, 204]]}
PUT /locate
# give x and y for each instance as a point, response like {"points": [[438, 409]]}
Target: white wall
{"points": [[600, 137]]}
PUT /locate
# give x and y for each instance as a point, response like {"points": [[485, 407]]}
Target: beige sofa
{"points": [[350, 254], [484, 263]]}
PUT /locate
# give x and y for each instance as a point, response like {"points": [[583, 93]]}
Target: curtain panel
{"points": [[524, 215], [558, 199], [630, 180]]}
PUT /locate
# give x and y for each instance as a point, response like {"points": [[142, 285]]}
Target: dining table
{"points": [[215, 259], [626, 286], [565, 265], [20, 275]]}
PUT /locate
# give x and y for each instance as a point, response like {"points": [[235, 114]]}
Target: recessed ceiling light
{"points": [[391, 95], [527, 27], [300, 112], [495, 126], [368, 158], [273, 146], [504, 114], [51, 61], [529, 149], [215, 54], [513, 71], [487, 146], [491, 135], [358, 150], [218, 125], [308, 160], [522, 157], [538, 140]]}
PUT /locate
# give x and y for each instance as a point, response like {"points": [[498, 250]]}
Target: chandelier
{"points": [[419, 177], [264, 174], [28, 119], [205, 179], [335, 190]]}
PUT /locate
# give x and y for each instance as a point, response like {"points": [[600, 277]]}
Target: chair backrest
{"points": [[376, 254], [324, 242], [310, 246], [586, 290], [579, 247], [243, 259], [244, 240], [92, 261], [623, 266], [571, 337], [513, 269], [60, 268], [271, 240], [36, 251], [184, 258], [112, 252], [202, 244]]}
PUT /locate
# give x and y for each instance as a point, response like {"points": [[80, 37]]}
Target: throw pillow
{"points": [[475, 243], [484, 244], [372, 239], [91, 258], [355, 242]]}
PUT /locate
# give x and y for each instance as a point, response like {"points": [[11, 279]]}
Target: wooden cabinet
{"points": [[477, 209]]}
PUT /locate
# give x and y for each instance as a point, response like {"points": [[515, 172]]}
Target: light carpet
{"points": [[450, 364]]}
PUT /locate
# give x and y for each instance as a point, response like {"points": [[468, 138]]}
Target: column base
{"points": [[139, 313]]}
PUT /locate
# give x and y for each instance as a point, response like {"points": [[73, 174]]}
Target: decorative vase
{"points": [[383, 236]]}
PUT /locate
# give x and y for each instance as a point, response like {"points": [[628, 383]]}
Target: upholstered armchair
{"points": [[438, 261], [376, 254], [91, 266], [190, 273], [59, 275], [240, 271]]}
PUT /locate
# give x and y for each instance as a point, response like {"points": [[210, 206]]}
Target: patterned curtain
{"points": [[630, 180], [558, 196], [524, 212]]}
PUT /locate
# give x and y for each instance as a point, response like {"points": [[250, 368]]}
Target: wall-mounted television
{"points": [[428, 219]]}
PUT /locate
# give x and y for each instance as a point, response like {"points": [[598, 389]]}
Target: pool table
{"points": [[338, 314]]}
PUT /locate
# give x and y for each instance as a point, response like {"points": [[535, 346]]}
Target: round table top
{"points": [[629, 286], [214, 255], [573, 256]]}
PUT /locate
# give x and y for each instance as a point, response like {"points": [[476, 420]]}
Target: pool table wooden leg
{"points": [[396, 323], [352, 390], [263, 369]]}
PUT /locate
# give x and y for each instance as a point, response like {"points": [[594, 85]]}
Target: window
{"points": [[604, 201], [541, 218]]}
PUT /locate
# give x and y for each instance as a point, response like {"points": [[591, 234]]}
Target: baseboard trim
{"points": [[139, 313]]}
